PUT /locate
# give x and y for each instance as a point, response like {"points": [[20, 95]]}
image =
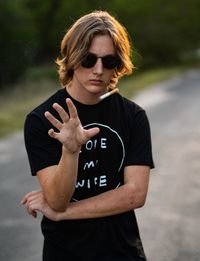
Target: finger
{"points": [[62, 113], [31, 211], [28, 195], [34, 214], [35, 205], [72, 109], [37, 197], [91, 132], [55, 122], [53, 134], [32, 204]]}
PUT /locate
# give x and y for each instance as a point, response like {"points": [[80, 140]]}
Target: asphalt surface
{"points": [[169, 221]]}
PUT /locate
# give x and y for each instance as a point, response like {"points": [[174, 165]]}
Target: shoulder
{"points": [[127, 107], [59, 97], [36, 116], [127, 103], [131, 115]]}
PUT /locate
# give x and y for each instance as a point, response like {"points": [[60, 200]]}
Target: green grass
{"points": [[39, 83], [21, 99], [130, 86]]}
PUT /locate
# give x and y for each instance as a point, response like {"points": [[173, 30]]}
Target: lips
{"points": [[96, 82]]}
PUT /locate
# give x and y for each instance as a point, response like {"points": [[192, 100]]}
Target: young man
{"points": [[91, 151]]}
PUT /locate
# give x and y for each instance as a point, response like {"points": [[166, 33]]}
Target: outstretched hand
{"points": [[71, 132]]}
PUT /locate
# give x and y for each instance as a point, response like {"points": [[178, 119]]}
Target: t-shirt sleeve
{"points": [[139, 150], [43, 151]]}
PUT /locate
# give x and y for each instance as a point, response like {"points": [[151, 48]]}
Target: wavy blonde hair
{"points": [[77, 40]]}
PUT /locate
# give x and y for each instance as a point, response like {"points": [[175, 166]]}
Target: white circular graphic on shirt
{"points": [[100, 163]]}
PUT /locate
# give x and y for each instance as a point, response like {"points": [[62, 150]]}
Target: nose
{"points": [[98, 67]]}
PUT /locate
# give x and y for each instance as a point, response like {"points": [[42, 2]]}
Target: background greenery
{"points": [[163, 32], [165, 36]]}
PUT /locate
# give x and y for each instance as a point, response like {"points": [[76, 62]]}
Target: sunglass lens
{"points": [[89, 61], [110, 61]]}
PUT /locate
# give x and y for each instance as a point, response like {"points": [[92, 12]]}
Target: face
{"points": [[89, 83]]}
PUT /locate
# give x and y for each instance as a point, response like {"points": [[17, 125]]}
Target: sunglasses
{"points": [[108, 61]]}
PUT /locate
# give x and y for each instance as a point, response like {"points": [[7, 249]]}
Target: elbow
{"points": [[137, 202], [141, 202], [137, 198]]}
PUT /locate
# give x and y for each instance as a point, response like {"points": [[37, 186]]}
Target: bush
{"points": [[17, 43]]}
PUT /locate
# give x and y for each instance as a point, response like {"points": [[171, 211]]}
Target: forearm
{"points": [[119, 200], [59, 185]]}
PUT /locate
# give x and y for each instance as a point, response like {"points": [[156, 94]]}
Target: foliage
{"points": [[18, 45], [163, 32]]}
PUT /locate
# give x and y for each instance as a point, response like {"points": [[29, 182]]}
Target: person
{"points": [[90, 149]]}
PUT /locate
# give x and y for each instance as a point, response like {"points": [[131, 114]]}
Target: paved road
{"points": [[20, 237], [169, 222]]}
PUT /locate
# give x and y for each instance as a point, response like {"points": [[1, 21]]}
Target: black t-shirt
{"points": [[124, 139]]}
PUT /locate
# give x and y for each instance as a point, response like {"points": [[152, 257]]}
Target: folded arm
{"points": [[127, 197]]}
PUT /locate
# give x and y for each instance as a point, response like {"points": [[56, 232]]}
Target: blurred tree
{"points": [[44, 14], [17, 41], [52, 18], [161, 30], [31, 30], [171, 29]]}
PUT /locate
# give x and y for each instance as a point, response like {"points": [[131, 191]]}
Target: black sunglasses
{"points": [[109, 61]]}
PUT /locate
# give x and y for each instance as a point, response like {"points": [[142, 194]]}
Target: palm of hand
{"points": [[71, 132]]}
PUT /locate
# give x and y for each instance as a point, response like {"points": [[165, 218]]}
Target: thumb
{"points": [[92, 132]]}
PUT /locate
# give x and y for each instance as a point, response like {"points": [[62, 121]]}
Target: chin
{"points": [[97, 89]]}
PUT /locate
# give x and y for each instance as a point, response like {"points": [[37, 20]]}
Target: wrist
{"points": [[60, 216], [70, 153]]}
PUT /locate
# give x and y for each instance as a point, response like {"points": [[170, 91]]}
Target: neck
{"points": [[84, 97]]}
